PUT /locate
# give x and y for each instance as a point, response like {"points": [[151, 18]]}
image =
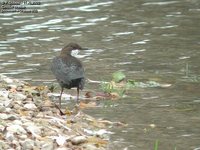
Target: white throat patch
{"points": [[75, 52]]}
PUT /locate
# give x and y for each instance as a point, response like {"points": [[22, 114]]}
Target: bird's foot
{"points": [[61, 112]]}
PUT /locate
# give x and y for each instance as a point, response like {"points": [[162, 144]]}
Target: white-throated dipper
{"points": [[68, 70]]}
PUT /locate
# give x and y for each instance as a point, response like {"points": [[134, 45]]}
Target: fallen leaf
{"points": [[87, 105], [23, 113], [97, 141], [13, 90], [47, 103], [114, 96], [89, 94]]}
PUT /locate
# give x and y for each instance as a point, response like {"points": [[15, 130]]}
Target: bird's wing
{"points": [[67, 70]]}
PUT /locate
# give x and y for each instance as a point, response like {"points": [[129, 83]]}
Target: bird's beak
{"points": [[84, 48]]}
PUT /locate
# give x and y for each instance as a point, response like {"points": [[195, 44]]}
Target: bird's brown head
{"points": [[71, 46]]}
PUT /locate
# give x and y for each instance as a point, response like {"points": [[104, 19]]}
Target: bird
{"points": [[68, 70]]}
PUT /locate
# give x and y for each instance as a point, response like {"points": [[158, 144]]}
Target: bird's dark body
{"points": [[68, 70]]}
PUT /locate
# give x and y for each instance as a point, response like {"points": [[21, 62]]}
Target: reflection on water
{"points": [[155, 40]]}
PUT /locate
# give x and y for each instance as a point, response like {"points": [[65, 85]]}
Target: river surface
{"points": [[155, 40]]}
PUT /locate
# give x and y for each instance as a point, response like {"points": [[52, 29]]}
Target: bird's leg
{"points": [[60, 96], [77, 94], [61, 113], [59, 107]]}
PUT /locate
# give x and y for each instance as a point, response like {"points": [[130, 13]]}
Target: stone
{"points": [[34, 130], [4, 94], [32, 122], [90, 147], [60, 140], [12, 117], [30, 106], [2, 109], [17, 96], [3, 116], [2, 128], [63, 148], [4, 145], [12, 86], [16, 106], [49, 145], [23, 137], [8, 80], [19, 122], [9, 137], [8, 110], [16, 129], [27, 144], [78, 140], [15, 144]]}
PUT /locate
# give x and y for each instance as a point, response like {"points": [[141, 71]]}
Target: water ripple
{"points": [[141, 42], [122, 33], [88, 8], [32, 65], [53, 21], [6, 18], [138, 23], [166, 27], [24, 56], [97, 19], [5, 52], [20, 39], [31, 27], [49, 39], [160, 3], [60, 3], [18, 71], [168, 35], [7, 63], [123, 63], [25, 16]]}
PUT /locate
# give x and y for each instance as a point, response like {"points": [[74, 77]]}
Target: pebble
{"points": [[18, 122], [78, 140], [8, 80], [4, 94], [12, 117], [9, 137], [34, 130], [30, 106], [25, 126], [16, 145], [12, 86], [3, 116], [47, 145], [8, 116], [63, 148], [17, 96], [23, 136], [8, 110], [60, 140], [90, 147], [2, 128], [16, 106], [2, 109], [27, 144], [3, 145], [16, 129]]}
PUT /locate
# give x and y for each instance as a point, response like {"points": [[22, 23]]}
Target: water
{"points": [[147, 39]]}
